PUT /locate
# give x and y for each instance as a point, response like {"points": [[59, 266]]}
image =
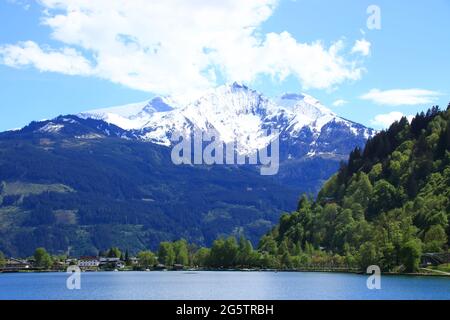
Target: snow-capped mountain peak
{"points": [[131, 116], [305, 110], [237, 113]]}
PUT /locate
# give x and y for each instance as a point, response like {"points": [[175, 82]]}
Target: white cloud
{"points": [[385, 120], [362, 47], [399, 97], [173, 46], [339, 103], [66, 60]]}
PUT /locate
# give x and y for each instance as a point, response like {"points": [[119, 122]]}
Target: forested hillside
{"points": [[389, 203], [77, 184]]}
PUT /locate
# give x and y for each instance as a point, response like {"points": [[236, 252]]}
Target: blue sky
{"points": [[61, 57]]}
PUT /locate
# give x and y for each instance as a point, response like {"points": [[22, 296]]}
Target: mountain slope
{"points": [[388, 204], [313, 139], [78, 183]]}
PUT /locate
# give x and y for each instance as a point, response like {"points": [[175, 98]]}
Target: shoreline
{"points": [[430, 273]]}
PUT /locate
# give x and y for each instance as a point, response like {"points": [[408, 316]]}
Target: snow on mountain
{"points": [[304, 111], [240, 114], [130, 116], [236, 113], [51, 127]]}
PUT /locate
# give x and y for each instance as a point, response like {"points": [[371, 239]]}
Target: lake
{"points": [[220, 285]]}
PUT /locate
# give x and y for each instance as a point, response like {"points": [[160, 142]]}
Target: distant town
{"points": [[108, 261]]}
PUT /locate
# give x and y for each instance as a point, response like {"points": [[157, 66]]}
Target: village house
{"points": [[88, 262], [71, 261], [111, 262], [13, 264]]}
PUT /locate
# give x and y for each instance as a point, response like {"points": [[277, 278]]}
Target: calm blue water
{"points": [[219, 285]]}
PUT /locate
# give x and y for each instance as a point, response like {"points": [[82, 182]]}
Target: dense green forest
{"points": [[389, 203]]}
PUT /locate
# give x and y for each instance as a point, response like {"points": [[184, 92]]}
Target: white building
{"points": [[88, 262], [115, 262]]}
